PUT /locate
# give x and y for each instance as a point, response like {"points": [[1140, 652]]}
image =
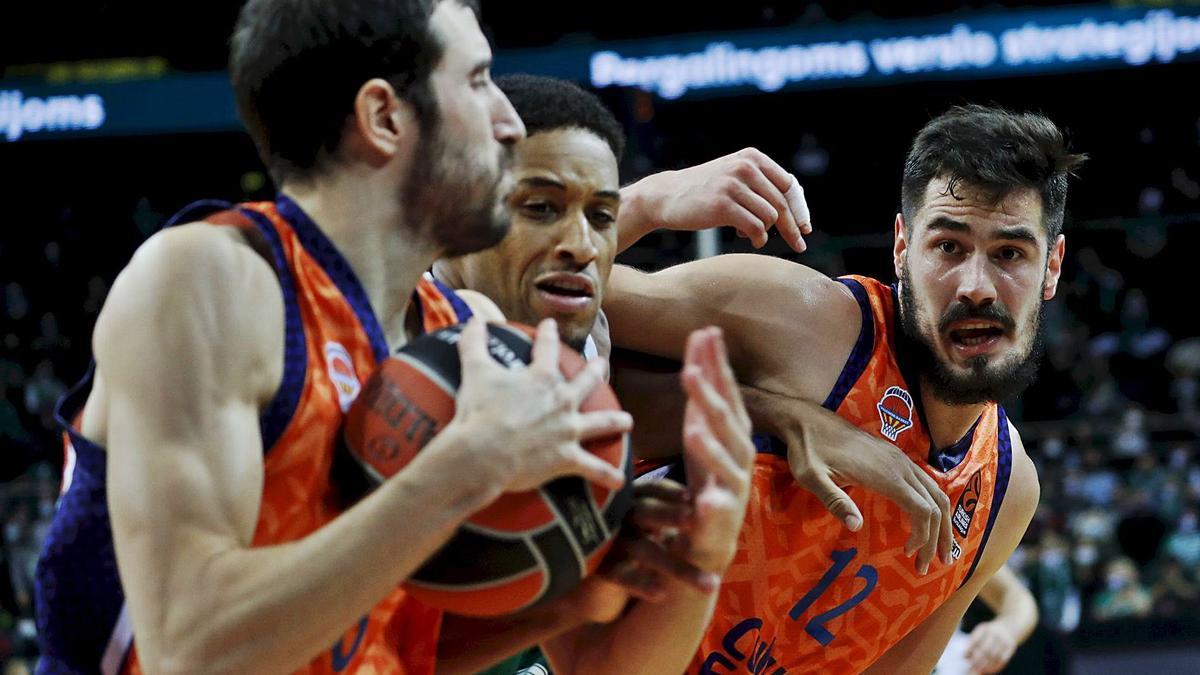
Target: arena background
{"points": [[115, 114]]}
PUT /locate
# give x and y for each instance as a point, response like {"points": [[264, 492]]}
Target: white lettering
{"points": [[20, 115], [1156, 35]]}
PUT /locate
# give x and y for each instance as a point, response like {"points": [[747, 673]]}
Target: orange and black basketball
{"points": [[524, 548]]}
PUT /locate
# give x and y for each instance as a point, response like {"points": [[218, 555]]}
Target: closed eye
{"points": [[538, 210]]}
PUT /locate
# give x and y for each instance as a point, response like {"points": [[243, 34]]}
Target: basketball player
{"points": [[570, 219], [978, 250], [556, 259], [197, 513]]}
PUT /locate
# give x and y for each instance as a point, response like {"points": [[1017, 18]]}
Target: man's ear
{"points": [[383, 125], [899, 244], [1054, 268]]}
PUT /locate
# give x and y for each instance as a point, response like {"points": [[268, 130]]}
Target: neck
{"points": [[947, 423], [448, 274], [374, 237]]}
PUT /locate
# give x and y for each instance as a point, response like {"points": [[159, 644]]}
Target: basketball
{"points": [[524, 548]]}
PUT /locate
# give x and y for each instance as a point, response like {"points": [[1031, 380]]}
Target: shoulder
{"points": [[1024, 491], [185, 253], [197, 293]]}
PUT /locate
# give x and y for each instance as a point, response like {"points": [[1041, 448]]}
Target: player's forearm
{"points": [[796, 418], [783, 415], [652, 638], [636, 218], [1018, 613], [299, 598], [467, 645]]}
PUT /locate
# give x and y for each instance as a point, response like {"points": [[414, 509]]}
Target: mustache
{"points": [[961, 311]]}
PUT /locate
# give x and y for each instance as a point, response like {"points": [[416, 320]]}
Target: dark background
{"points": [[1112, 423]]}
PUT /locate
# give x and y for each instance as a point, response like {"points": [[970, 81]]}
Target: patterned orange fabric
{"points": [[805, 594], [399, 635]]}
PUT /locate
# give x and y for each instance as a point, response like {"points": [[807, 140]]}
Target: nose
{"points": [[507, 126], [575, 245], [975, 283]]}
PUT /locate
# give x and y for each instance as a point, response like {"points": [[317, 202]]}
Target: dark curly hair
{"points": [[547, 103], [994, 149]]}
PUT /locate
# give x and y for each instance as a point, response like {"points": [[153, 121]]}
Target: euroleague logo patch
{"points": [[341, 372], [895, 412], [964, 511]]}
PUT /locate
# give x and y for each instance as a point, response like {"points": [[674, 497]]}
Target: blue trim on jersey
{"points": [[278, 414], [1003, 472], [330, 259], [197, 211], [78, 595], [766, 444], [67, 407], [461, 310], [860, 356], [948, 458]]}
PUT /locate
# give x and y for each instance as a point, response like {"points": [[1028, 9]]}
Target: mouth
{"points": [[565, 292], [975, 338]]}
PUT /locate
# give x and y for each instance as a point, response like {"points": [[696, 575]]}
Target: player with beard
{"points": [[922, 364], [568, 216], [197, 513]]}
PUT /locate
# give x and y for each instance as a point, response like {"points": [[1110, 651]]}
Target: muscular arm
{"points": [[919, 651], [188, 348], [1013, 604], [789, 328], [591, 649]]}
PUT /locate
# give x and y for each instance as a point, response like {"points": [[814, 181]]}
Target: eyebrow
{"points": [[481, 66], [540, 182], [1017, 233]]}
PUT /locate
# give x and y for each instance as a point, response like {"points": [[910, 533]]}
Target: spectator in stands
{"points": [[1123, 596], [1175, 593], [50, 343], [1099, 483], [1184, 543], [1053, 585], [1131, 440], [41, 393]]}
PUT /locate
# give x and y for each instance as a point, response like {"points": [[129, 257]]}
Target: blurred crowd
{"points": [[1113, 423]]}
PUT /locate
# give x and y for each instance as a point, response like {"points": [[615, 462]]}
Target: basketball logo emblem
{"points": [[341, 373], [895, 412], [964, 511]]}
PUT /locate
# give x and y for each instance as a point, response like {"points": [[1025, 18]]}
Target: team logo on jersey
{"points": [[965, 510], [341, 372], [895, 412]]}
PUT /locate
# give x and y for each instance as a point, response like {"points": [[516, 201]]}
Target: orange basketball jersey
{"points": [[805, 594], [333, 344]]}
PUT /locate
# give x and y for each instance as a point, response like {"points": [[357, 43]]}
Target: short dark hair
{"points": [[993, 149], [548, 103], [296, 66]]}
